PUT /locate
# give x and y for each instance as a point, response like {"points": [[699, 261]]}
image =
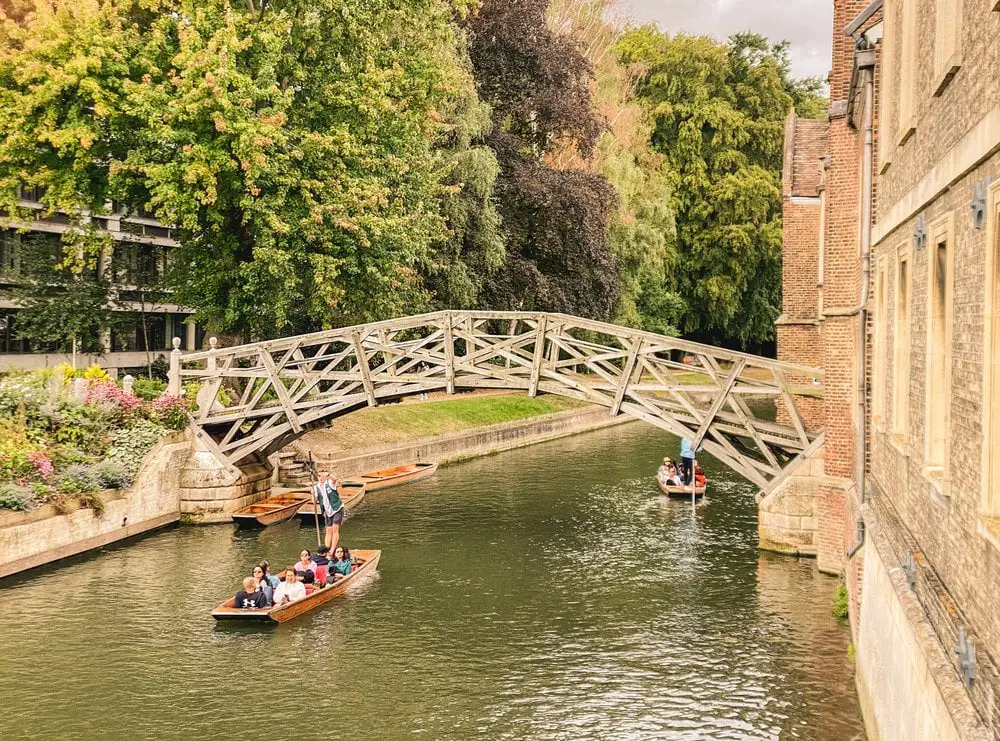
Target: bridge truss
{"points": [[255, 399]]}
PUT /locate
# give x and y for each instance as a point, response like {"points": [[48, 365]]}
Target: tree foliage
{"points": [[292, 143], [719, 113], [555, 220]]}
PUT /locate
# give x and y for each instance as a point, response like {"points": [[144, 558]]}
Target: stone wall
{"points": [[32, 539], [906, 683]]}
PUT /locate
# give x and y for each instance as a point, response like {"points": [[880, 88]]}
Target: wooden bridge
{"points": [[258, 398]]}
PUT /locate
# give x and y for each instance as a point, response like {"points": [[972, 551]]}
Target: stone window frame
{"points": [[908, 71], [887, 109], [947, 42], [990, 503], [937, 400], [880, 343], [902, 346]]}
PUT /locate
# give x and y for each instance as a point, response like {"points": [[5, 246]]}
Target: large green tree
{"points": [[719, 111], [555, 219], [292, 143]]}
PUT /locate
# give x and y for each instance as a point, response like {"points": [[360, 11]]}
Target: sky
{"points": [[807, 24]]}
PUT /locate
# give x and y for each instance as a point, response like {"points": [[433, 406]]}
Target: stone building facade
{"points": [[907, 284]]}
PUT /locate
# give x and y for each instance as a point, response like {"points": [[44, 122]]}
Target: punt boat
{"points": [[367, 564], [681, 491], [272, 510], [376, 480], [351, 494]]}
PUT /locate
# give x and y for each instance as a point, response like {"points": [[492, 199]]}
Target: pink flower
{"points": [[41, 463]]}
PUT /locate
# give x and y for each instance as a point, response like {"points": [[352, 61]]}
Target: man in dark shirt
{"points": [[250, 597]]}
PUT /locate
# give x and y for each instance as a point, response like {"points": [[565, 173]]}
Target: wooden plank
{"points": [[449, 354], [366, 379]]}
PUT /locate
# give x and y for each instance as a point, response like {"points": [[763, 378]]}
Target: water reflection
{"points": [[542, 593]]}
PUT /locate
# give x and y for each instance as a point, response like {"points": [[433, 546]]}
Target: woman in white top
{"points": [[290, 590]]}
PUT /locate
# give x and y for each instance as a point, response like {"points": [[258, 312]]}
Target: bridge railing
{"points": [[256, 398]]}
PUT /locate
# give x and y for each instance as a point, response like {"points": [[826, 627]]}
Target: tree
{"points": [[291, 143], [719, 112], [641, 231], [555, 221], [65, 305]]}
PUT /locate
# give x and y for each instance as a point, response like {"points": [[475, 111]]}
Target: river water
{"points": [[541, 593]]}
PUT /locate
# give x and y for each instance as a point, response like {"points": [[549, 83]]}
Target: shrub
{"points": [[96, 373], [77, 479], [17, 498], [129, 445], [93, 500], [148, 389], [112, 475], [171, 412], [15, 463], [840, 603], [119, 406]]}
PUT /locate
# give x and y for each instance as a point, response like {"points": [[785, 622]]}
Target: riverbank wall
{"points": [[39, 537]]}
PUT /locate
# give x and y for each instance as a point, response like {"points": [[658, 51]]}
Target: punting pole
{"points": [[312, 490]]}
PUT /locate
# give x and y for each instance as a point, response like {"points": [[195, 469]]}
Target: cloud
{"points": [[807, 24]]}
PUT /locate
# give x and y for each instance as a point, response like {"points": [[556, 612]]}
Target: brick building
{"points": [[892, 233]]}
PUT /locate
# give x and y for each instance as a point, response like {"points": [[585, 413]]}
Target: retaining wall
{"points": [[32, 539]]}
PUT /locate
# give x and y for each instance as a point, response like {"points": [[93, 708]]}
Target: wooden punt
{"points": [[376, 480], [367, 564], [272, 510], [681, 491], [351, 494]]}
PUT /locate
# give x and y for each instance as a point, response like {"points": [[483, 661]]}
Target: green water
{"points": [[542, 593]]}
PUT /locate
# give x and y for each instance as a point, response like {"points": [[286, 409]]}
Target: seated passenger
{"points": [[290, 590], [262, 584], [305, 564], [250, 597], [272, 579], [670, 477], [340, 566], [322, 563], [699, 476], [662, 472]]}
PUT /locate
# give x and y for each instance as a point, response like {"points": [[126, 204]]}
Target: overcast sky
{"points": [[808, 24]]}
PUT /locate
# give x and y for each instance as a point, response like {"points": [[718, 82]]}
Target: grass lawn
{"points": [[393, 423]]}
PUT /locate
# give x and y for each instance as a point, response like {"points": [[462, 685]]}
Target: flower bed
{"points": [[65, 435]]}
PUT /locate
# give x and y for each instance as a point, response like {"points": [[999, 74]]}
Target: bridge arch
{"points": [[257, 398]]}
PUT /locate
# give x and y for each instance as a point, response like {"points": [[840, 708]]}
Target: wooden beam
{"points": [[717, 403], [449, 354], [280, 390], [536, 363], [626, 378], [366, 379]]}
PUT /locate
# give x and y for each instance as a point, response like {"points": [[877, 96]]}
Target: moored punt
{"points": [[407, 474], [367, 564], [681, 491], [351, 494], [270, 511]]}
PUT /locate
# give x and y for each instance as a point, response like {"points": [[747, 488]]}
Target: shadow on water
{"points": [[549, 592]]}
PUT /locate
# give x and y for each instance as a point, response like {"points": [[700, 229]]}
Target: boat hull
{"points": [[228, 612], [270, 511], [681, 492], [378, 480]]}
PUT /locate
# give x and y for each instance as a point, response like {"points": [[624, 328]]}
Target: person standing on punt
{"points": [[328, 496], [687, 461]]}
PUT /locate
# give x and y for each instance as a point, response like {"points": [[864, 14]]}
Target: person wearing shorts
{"points": [[328, 497]]}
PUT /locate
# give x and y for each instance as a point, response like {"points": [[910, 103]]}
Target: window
{"points": [[880, 346], [887, 82], [947, 42], [940, 277], [33, 193], [908, 71], [901, 359], [135, 264], [9, 343]]}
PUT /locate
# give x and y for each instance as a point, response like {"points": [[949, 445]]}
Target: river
{"points": [[542, 593]]}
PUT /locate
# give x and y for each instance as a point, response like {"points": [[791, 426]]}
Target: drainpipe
{"points": [[861, 309]]}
